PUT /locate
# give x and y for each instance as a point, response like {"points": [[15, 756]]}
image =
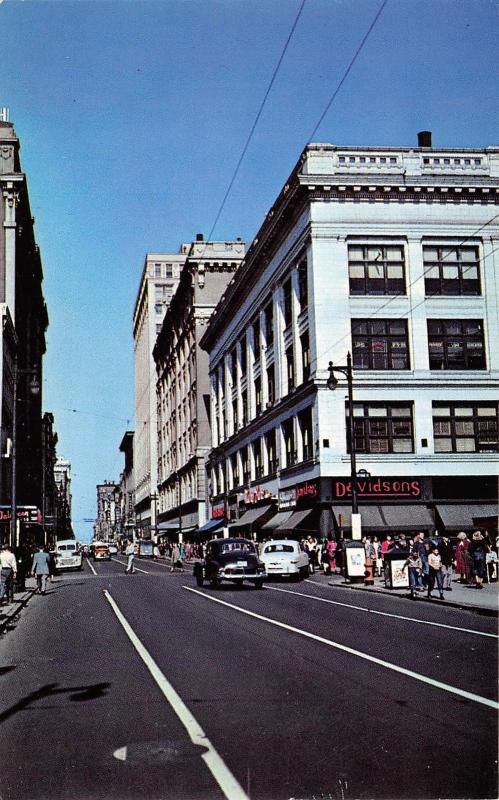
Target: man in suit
{"points": [[41, 569]]}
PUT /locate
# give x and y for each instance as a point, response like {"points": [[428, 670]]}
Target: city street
{"points": [[145, 686]]}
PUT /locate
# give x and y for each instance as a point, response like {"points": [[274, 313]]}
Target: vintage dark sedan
{"points": [[232, 559]]}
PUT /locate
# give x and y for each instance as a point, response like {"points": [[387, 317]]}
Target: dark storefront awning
{"points": [[300, 521], [370, 516], [167, 526], [211, 525], [251, 517], [466, 517], [408, 518], [278, 519], [377, 518]]}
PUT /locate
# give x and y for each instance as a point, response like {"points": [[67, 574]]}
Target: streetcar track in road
{"points": [[221, 773], [384, 613], [475, 698]]}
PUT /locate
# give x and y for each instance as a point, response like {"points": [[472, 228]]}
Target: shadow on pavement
{"points": [[76, 694]]}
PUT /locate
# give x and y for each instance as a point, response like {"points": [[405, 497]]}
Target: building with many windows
{"points": [[23, 323], [389, 254], [184, 438], [158, 284]]}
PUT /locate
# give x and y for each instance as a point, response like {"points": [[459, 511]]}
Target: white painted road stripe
{"points": [[136, 569], [225, 779], [383, 613], [91, 567], [386, 664]]}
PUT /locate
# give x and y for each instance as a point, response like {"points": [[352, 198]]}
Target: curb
{"points": [[487, 612], [9, 612]]}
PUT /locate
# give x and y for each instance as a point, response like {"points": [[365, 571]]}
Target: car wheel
{"points": [[199, 580], [214, 583], [296, 577], [259, 583]]}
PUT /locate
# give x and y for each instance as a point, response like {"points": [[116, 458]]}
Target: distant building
{"points": [[159, 281], [390, 254], [23, 322], [62, 478], [108, 511], [183, 425], [127, 490], [50, 505]]}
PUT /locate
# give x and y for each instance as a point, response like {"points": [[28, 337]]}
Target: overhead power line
{"points": [[348, 70], [257, 118]]}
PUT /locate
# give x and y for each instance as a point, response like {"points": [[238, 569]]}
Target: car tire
{"points": [[259, 583], [214, 583], [199, 580]]}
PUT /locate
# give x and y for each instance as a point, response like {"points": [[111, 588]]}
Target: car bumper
{"points": [[282, 569], [241, 576], [73, 564]]}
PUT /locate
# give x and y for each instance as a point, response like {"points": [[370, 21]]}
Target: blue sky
{"points": [[132, 116]]}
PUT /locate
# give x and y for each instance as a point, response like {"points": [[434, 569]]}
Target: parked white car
{"points": [[285, 558]]}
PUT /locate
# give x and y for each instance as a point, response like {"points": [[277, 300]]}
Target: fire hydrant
{"points": [[369, 573]]}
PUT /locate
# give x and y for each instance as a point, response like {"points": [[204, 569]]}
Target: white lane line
{"points": [[136, 569], [223, 776], [384, 613], [91, 567], [386, 664]]}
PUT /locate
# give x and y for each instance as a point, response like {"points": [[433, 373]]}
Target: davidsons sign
{"points": [[372, 488]]}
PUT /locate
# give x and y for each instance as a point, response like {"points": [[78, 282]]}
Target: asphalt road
{"points": [[144, 686]]}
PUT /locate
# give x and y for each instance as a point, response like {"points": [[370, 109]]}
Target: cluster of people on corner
{"points": [[42, 567]]}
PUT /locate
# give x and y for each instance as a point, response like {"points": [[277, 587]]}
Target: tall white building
{"points": [[159, 281], [389, 254]]}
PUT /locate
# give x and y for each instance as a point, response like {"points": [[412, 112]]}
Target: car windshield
{"points": [[237, 547], [279, 548]]}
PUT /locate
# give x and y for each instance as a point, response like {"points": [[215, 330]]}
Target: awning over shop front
{"points": [[167, 526], [370, 516], [301, 521], [278, 519], [407, 518], [401, 517], [464, 516], [251, 517], [211, 525]]}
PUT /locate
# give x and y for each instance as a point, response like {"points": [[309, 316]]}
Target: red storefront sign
{"points": [[24, 513], [375, 488]]}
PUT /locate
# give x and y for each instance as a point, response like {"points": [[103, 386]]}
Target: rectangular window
{"points": [[157, 270], [290, 368], [244, 361], [246, 466], [287, 309], [169, 270], [456, 344], [270, 444], [235, 470], [244, 398], [303, 285], [235, 415], [269, 325], [288, 430], [382, 428], [256, 339], [305, 355], [258, 395], [233, 367], [257, 450], [451, 270], [380, 344], [270, 385], [465, 427], [305, 423], [376, 269]]}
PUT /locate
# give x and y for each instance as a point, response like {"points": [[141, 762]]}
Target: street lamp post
{"points": [[332, 383]]}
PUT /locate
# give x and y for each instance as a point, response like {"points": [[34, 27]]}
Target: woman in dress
{"points": [[463, 558]]}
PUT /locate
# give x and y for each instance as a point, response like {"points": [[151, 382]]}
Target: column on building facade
{"points": [[279, 359], [416, 293]]}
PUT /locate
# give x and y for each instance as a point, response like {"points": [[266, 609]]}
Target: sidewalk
{"points": [[11, 610], [483, 601]]}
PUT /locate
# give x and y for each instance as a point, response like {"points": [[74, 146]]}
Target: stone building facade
{"points": [[389, 254], [183, 431], [159, 281]]}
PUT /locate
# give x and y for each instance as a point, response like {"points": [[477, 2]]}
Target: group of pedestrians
{"points": [[42, 567]]}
